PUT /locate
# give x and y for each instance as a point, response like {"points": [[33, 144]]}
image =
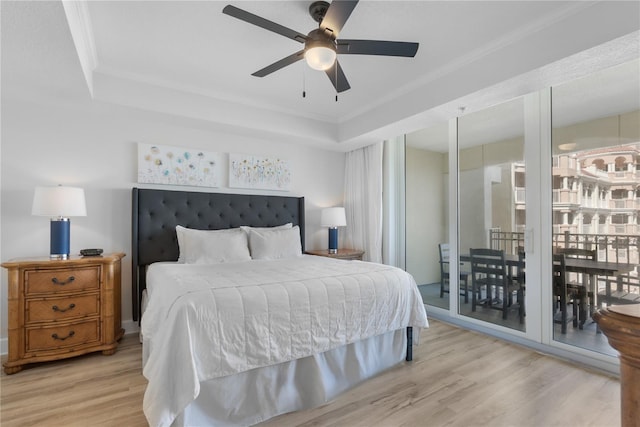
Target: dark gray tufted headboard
{"points": [[155, 214]]}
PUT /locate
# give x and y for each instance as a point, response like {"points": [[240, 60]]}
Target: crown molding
{"points": [[77, 14], [190, 90], [180, 104]]}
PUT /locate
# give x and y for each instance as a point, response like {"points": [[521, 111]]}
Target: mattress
{"points": [[211, 321]]}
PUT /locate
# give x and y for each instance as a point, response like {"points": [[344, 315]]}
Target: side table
{"points": [[348, 254], [62, 308]]}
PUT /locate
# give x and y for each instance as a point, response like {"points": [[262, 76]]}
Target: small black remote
{"points": [[90, 252]]}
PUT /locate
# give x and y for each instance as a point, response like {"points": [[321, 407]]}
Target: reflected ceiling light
{"points": [[567, 146], [320, 55]]}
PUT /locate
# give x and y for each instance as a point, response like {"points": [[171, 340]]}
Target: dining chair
{"points": [[489, 270], [565, 294], [443, 248], [581, 287]]}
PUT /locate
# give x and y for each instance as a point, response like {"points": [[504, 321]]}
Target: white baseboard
{"points": [[130, 327]]}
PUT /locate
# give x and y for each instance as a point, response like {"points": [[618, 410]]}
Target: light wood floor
{"points": [[457, 378]]}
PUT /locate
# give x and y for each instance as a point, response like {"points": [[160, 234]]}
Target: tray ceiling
{"points": [[187, 59]]}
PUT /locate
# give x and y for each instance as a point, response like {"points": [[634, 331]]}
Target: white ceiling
{"points": [[187, 60]]}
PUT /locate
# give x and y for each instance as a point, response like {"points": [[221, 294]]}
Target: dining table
{"points": [[590, 268]]}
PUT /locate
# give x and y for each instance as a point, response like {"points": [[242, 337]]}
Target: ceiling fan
{"points": [[321, 45]]}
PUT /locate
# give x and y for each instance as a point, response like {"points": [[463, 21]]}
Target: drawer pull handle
{"points": [[62, 310], [57, 282], [56, 337]]}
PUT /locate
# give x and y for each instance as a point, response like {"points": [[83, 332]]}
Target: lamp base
{"points": [[59, 242], [333, 240]]}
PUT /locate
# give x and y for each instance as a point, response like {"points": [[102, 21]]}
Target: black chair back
{"points": [[488, 266]]}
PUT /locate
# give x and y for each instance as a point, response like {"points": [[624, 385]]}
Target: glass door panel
{"points": [[492, 216], [427, 189], [596, 200]]}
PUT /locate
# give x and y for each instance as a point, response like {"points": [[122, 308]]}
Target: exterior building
{"points": [[596, 198], [596, 204]]}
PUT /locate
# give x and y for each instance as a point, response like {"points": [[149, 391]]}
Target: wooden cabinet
{"points": [[348, 254], [62, 308]]}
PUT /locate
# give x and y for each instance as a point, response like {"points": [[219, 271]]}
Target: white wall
{"points": [[93, 145]]}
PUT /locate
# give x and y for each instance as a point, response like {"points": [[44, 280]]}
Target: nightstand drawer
{"points": [[62, 280], [61, 308], [60, 336]]}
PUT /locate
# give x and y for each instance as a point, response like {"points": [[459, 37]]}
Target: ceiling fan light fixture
{"points": [[320, 57], [321, 45]]}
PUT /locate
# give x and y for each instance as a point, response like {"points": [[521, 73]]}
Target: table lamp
{"points": [[59, 203], [333, 218]]}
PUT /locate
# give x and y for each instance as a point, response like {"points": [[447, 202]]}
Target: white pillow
{"points": [[275, 244], [212, 246], [286, 226]]}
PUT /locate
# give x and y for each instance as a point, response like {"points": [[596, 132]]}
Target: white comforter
{"points": [[209, 321]]}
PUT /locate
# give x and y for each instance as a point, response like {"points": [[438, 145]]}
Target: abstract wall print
{"points": [[163, 164], [259, 172]]}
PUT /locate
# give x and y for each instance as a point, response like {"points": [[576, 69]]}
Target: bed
{"points": [[239, 342]]}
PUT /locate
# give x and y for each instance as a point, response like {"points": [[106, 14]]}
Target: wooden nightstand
{"points": [[62, 308], [348, 254]]}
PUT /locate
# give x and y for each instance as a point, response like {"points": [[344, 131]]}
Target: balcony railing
{"points": [[564, 196], [622, 248]]}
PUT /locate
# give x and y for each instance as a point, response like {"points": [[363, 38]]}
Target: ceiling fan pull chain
{"points": [[304, 91], [335, 67]]}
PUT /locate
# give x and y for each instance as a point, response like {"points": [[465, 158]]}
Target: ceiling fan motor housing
{"points": [[320, 38], [318, 9]]}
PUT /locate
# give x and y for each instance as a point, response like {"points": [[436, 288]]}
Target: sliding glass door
{"points": [[492, 214], [596, 200], [549, 183], [427, 189]]}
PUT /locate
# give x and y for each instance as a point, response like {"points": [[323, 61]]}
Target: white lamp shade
{"points": [[320, 57], [333, 217], [59, 202]]}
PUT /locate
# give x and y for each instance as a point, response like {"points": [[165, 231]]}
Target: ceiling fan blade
{"points": [[376, 47], [337, 14], [263, 23], [342, 83], [280, 64]]}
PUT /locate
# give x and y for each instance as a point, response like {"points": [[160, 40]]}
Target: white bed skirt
{"points": [[250, 397]]}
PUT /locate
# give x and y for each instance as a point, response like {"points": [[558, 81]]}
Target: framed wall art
{"points": [[163, 164], [259, 172]]}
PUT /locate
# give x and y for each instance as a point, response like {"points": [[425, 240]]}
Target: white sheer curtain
{"points": [[363, 201]]}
